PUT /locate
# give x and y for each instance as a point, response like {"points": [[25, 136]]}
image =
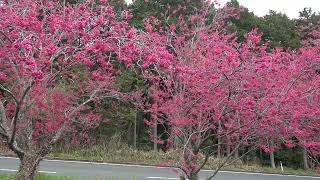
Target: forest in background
{"points": [[125, 126]]}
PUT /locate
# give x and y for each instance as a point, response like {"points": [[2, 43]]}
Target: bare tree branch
{"points": [[7, 37], [10, 93], [227, 158]]}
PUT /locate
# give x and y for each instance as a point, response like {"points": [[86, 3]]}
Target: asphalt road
{"points": [[130, 172]]}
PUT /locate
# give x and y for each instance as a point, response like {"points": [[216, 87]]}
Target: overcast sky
{"points": [[290, 7]]}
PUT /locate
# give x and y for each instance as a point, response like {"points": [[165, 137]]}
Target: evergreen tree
{"points": [[276, 27], [308, 22], [167, 11]]}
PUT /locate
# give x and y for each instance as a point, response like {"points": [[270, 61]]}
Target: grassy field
{"points": [[10, 176]]}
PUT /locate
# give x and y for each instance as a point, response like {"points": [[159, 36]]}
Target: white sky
{"points": [[289, 7]]}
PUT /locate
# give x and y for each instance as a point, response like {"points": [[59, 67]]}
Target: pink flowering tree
{"points": [[266, 82], [198, 92], [56, 63], [284, 87], [215, 92], [304, 119]]}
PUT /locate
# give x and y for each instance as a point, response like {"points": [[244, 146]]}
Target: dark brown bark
{"points": [[28, 167]]}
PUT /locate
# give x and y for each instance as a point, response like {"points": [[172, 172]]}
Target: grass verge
{"points": [[115, 152], [127, 155], [11, 176]]}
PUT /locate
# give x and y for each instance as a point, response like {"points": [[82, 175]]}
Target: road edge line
{"points": [[162, 167]]}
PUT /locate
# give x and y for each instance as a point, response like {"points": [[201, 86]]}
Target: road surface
{"points": [[130, 172]]}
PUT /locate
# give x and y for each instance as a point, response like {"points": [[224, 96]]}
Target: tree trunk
{"points": [[193, 176], [219, 142], [236, 153], [155, 133], [130, 132], [228, 146], [135, 131], [28, 167], [273, 164], [305, 159], [261, 156]]}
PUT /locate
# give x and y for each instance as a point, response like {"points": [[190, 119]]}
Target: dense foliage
{"points": [[194, 77]]}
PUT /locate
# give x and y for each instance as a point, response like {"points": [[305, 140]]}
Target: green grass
{"points": [[6, 176], [121, 155], [10, 176], [116, 152], [41, 177], [127, 155]]}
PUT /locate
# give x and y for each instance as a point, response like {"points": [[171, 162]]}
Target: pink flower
{"points": [[3, 76]]}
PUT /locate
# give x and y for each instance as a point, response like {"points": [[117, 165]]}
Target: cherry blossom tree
{"points": [[56, 62], [200, 94], [217, 92], [304, 121], [285, 86]]}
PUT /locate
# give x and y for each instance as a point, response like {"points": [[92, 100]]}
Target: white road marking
{"points": [[165, 178], [48, 172], [264, 174], [146, 166], [160, 178], [89, 162], [14, 170], [10, 170]]}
